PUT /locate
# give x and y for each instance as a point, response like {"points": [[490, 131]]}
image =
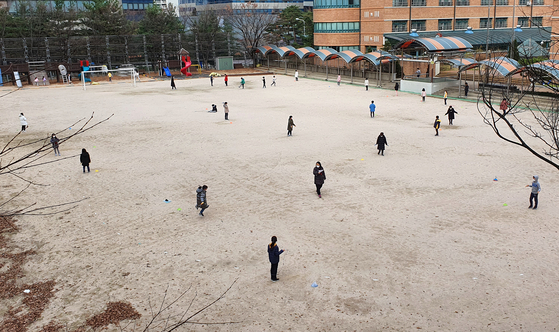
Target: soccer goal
{"points": [[89, 75]]}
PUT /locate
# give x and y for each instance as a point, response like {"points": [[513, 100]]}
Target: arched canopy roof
{"points": [[376, 57], [440, 44], [459, 62], [302, 53], [283, 50], [265, 50], [348, 56], [502, 65], [551, 67], [326, 54], [323, 53]]}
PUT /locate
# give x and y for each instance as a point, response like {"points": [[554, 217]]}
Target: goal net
{"points": [[94, 76]]}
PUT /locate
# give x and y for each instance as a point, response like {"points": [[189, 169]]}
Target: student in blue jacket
{"points": [[372, 108], [273, 254]]}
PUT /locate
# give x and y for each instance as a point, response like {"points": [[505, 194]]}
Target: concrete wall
{"points": [[415, 86]]}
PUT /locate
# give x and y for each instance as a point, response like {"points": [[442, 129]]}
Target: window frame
{"points": [[487, 22], [443, 21], [424, 25], [400, 23]]}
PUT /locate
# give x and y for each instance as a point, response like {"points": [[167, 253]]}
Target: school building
{"points": [[366, 24]]}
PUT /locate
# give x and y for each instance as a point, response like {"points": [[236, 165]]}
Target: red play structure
{"points": [[187, 65]]}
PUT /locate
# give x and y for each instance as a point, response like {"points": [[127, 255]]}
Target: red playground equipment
{"points": [[187, 65]]}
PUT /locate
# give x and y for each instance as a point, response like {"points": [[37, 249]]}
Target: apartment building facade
{"points": [[274, 7], [362, 24]]}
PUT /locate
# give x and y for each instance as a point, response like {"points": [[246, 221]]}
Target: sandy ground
{"points": [[419, 238]]}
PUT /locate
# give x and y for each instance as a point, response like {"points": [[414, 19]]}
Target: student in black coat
{"points": [[273, 254], [319, 177], [85, 160], [450, 114], [173, 87], [201, 201], [381, 142]]}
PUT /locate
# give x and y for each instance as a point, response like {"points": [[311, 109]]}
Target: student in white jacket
{"points": [[23, 121]]}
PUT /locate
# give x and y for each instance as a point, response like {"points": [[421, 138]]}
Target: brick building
{"points": [[362, 24]]}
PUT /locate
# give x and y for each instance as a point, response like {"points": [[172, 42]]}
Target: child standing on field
{"points": [[437, 125], [536, 188], [423, 94]]}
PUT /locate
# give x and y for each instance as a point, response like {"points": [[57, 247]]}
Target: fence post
{"points": [[88, 49], [108, 52], [229, 47], [163, 48], [126, 49], [25, 54], [146, 53], [68, 51], [197, 54], [213, 51], [47, 49], [4, 61]]}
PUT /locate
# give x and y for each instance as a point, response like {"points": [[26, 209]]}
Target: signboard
{"points": [[18, 80]]}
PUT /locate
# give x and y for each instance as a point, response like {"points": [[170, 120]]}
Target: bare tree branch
{"points": [[524, 109]]}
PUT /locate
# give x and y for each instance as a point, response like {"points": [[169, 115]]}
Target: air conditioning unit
{"points": [[528, 3]]}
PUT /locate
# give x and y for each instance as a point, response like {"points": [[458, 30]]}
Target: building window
{"points": [[486, 2], [502, 2], [538, 2], [445, 2], [501, 22], [484, 23], [462, 2], [445, 24], [522, 2], [322, 4], [336, 27], [419, 25], [461, 24], [399, 26], [419, 3], [523, 21], [125, 6], [399, 3], [537, 21]]}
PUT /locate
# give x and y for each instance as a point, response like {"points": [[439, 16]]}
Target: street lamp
{"points": [[518, 29], [304, 27], [469, 31], [414, 33]]}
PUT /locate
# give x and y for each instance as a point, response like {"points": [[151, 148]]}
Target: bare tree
{"points": [[520, 114], [17, 156], [251, 24], [207, 33], [167, 320]]}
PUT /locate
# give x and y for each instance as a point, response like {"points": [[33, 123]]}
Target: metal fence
{"points": [[143, 51]]}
